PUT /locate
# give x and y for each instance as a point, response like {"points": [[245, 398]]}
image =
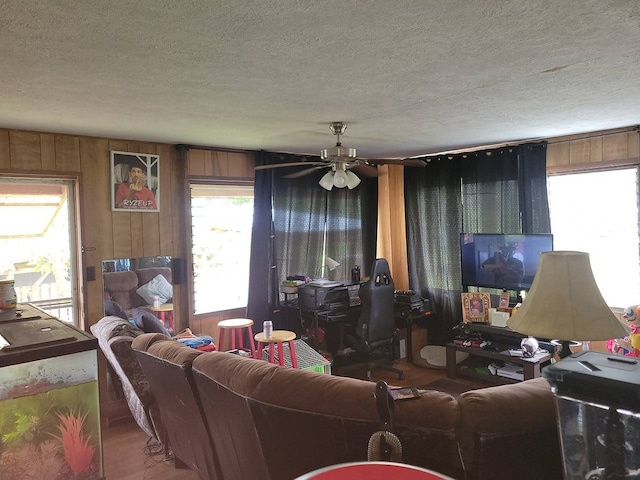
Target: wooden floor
{"points": [[127, 456]]}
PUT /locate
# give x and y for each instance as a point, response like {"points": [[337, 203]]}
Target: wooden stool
{"points": [[278, 338], [236, 326]]}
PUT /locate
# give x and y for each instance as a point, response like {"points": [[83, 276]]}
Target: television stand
{"points": [[530, 366], [506, 339]]}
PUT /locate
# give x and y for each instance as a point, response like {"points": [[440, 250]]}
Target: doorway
{"points": [[38, 248]]}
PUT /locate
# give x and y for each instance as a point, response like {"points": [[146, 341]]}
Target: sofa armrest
{"points": [[510, 430]]}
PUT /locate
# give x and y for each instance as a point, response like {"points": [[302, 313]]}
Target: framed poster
{"points": [[475, 307], [135, 182]]}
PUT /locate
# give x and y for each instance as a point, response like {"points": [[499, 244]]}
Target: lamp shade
{"points": [[340, 178], [352, 180], [332, 264], [326, 181], [564, 302]]}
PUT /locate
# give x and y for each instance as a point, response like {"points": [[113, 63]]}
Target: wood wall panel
{"points": [[195, 162], [614, 147], [25, 150], [48, 151], [240, 166], [216, 164], [5, 155], [168, 198], [67, 153], [95, 204], [582, 153], [596, 149], [392, 243], [633, 144]]}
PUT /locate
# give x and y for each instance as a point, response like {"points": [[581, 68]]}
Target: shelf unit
{"points": [[531, 366]]}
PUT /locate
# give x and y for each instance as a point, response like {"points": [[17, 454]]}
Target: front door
{"points": [[37, 243]]}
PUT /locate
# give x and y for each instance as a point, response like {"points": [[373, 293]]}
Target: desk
{"points": [[166, 314]]}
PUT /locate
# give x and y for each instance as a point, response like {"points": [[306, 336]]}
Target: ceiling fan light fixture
{"points": [[326, 181], [340, 178], [352, 180]]}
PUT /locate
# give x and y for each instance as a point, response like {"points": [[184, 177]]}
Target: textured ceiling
{"points": [[409, 77]]}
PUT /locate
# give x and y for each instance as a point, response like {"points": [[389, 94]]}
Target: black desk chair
{"points": [[376, 328]]}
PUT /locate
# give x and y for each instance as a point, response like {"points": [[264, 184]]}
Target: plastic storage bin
{"points": [[598, 405]]}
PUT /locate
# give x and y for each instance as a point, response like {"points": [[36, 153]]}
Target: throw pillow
{"points": [[148, 322], [114, 309], [157, 286]]}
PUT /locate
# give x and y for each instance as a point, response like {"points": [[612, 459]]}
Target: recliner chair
{"points": [[376, 328]]}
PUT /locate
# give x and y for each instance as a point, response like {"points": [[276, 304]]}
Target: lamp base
{"points": [[565, 351]]}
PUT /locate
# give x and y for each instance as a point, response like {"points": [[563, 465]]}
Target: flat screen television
{"points": [[504, 261]]}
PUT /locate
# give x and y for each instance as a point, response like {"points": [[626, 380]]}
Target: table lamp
{"points": [[564, 303], [330, 263]]}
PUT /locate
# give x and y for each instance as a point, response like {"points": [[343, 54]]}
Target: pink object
{"points": [[373, 471]]}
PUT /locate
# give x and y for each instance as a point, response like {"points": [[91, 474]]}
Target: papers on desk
{"points": [[3, 342], [323, 282]]}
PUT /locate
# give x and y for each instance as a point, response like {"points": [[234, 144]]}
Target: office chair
{"points": [[376, 328]]}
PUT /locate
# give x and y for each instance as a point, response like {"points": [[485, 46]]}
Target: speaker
{"points": [[178, 270]]}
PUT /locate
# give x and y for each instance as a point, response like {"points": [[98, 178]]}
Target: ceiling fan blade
{"points": [[306, 171], [405, 162], [365, 170], [290, 164]]}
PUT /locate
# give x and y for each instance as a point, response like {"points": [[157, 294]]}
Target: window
{"points": [[597, 213], [221, 216]]}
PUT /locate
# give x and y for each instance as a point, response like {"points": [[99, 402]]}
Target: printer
{"points": [[317, 297]]}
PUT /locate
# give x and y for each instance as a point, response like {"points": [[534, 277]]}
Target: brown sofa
{"points": [[278, 423], [121, 287]]}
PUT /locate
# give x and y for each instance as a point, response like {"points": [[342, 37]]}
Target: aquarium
{"points": [[49, 400]]}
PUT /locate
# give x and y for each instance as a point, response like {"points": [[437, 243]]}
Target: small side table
{"points": [[278, 338], [165, 311]]}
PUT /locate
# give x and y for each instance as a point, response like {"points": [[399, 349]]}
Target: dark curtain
{"points": [[433, 207], [500, 190], [297, 223], [263, 283]]}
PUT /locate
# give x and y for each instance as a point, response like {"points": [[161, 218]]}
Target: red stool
{"points": [[236, 327], [278, 338]]}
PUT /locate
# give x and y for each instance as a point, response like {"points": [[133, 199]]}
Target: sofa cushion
{"points": [[144, 341], [497, 422], [158, 286], [174, 352]]}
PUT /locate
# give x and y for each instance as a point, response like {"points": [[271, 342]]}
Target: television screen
{"points": [[498, 260]]}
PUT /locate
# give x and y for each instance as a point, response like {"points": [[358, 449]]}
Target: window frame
{"points": [[204, 182]]}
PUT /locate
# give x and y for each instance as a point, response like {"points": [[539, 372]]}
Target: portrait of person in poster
{"points": [[135, 182]]}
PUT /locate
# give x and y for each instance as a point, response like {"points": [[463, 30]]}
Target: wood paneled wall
{"points": [[593, 151], [105, 234], [392, 236]]}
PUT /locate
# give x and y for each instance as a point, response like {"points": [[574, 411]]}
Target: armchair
{"points": [[376, 328]]}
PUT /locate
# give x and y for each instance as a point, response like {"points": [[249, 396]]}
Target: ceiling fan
{"points": [[342, 163]]}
